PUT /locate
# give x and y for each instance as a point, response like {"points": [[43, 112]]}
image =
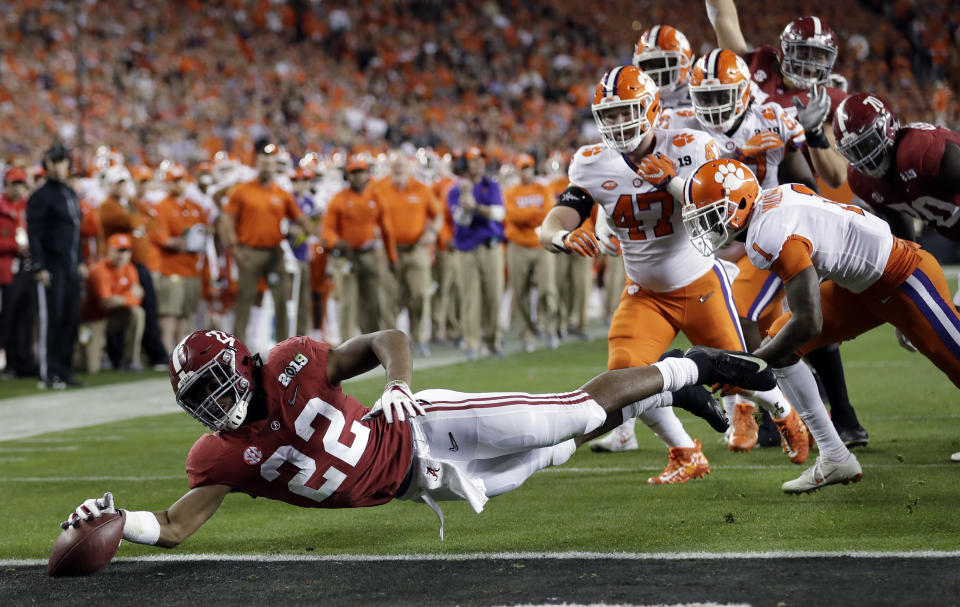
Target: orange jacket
{"points": [[257, 212], [355, 217], [408, 208], [174, 218], [526, 206], [106, 281], [139, 221]]}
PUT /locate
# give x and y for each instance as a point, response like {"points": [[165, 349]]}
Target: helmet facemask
{"points": [[718, 106], [868, 151], [807, 62], [664, 67], [709, 226], [215, 394], [623, 124]]}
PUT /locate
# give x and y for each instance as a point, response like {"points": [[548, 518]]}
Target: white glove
{"points": [[812, 115], [838, 81], [395, 400], [904, 342], [609, 243], [91, 508]]}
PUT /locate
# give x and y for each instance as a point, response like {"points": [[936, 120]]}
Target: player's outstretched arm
{"points": [[389, 348], [806, 321], [726, 23]]}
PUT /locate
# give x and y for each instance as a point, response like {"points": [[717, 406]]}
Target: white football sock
{"points": [[667, 427], [775, 403], [631, 411], [677, 373], [729, 404], [800, 388]]}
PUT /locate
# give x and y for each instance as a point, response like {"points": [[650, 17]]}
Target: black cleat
{"points": [[854, 437], [699, 401], [729, 367], [767, 435]]}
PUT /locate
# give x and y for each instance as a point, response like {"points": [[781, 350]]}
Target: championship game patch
{"points": [[252, 455]]}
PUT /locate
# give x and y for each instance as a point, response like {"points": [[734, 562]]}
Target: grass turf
{"points": [[596, 502]]}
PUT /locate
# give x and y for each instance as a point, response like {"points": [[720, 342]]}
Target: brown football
{"points": [[86, 547]]}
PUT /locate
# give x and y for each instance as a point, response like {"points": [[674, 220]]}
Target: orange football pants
{"points": [[921, 307], [645, 323]]}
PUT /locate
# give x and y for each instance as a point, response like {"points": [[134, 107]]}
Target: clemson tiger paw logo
{"points": [[731, 176]]}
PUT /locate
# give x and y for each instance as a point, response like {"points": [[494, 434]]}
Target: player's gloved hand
{"points": [[657, 170], [760, 144], [582, 242], [91, 508], [396, 402], [814, 113], [904, 342], [609, 243]]}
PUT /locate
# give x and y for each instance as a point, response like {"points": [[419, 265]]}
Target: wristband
{"points": [[817, 139], [140, 527], [675, 188]]}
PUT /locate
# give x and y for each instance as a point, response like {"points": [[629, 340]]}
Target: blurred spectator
{"points": [[181, 235], [445, 306], [121, 214], [302, 246], [529, 264], [416, 217], [53, 226], [350, 230], [573, 272], [252, 224], [17, 293], [112, 305], [476, 205]]}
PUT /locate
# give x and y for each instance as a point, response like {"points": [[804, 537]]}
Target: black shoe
{"points": [[699, 401], [73, 382], [854, 437], [734, 368], [767, 435]]}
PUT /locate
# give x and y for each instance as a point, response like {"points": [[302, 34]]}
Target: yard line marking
{"points": [[36, 449], [510, 556], [67, 479]]}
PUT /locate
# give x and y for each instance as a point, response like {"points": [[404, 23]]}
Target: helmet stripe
{"points": [[713, 60], [817, 28], [655, 35], [610, 85]]}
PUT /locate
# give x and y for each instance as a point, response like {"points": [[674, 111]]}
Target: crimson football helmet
{"points": [[866, 130], [720, 89], [212, 377], [664, 54], [626, 105], [808, 50], [717, 201]]}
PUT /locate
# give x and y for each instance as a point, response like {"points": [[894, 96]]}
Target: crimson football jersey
{"points": [[912, 184], [311, 450], [764, 65]]}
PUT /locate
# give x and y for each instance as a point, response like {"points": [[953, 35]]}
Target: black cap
{"points": [[56, 153]]}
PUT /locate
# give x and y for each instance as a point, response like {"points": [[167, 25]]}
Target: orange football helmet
{"points": [[664, 54], [720, 89], [625, 106], [717, 201]]}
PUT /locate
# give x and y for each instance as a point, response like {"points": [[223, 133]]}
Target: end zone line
{"points": [[507, 556]]}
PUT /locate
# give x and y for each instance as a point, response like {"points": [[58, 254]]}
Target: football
{"points": [[86, 547]]}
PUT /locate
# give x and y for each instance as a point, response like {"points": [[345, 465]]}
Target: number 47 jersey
{"points": [[657, 253], [311, 450]]}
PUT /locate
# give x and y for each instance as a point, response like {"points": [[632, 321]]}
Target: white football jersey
{"points": [[849, 247], [766, 117], [675, 99], [657, 253]]}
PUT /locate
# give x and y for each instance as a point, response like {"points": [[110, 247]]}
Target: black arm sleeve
{"points": [[950, 168], [37, 227], [901, 224], [577, 199]]}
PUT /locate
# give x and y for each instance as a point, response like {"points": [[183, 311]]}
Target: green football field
{"points": [[906, 501]]}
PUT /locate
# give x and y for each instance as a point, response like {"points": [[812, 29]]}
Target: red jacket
{"points": [[11, 218]]}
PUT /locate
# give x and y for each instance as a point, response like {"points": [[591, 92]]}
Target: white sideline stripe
{"points": [[510, 556], [38, 449]]}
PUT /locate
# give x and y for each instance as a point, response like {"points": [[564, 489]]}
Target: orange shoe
{"points": [[795, 437], [684, 464], [743, 435]]}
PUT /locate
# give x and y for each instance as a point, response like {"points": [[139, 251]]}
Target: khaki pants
{"points": [[304, 299], [528, 267], [573, 285], [614, 281], [413, 281], [480, 273], [359, 277], [445, 307], [129, 320], [252, 263]]}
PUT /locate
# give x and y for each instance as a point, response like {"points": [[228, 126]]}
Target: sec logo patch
{"points": [[252, 455], [637, 182]]}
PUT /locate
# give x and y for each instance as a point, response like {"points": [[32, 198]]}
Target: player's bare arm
{"points": [[829, 164], [389, 349], [187, 514], [794, 169], [726, 23], [950, 168], [806, 321]]}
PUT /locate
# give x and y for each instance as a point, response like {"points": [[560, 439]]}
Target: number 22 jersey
{"points": [[657, 253], [311, 450]]}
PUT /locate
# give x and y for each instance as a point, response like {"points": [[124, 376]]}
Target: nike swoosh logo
{"points": [[762, 364], [453, 443], [704, 298], [293, 399]]}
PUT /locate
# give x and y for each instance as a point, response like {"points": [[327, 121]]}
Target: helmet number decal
{"points": [[874, 103], [306, 465], [224, 338], [651, 210]]}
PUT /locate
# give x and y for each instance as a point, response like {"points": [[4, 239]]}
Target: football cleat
{"points": [[854, 437], [729, 367], [825, 472], [684, 463], [768, 435], [795, 437], [955, 457], [621, 438], [699, 401], [744, 435]]}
